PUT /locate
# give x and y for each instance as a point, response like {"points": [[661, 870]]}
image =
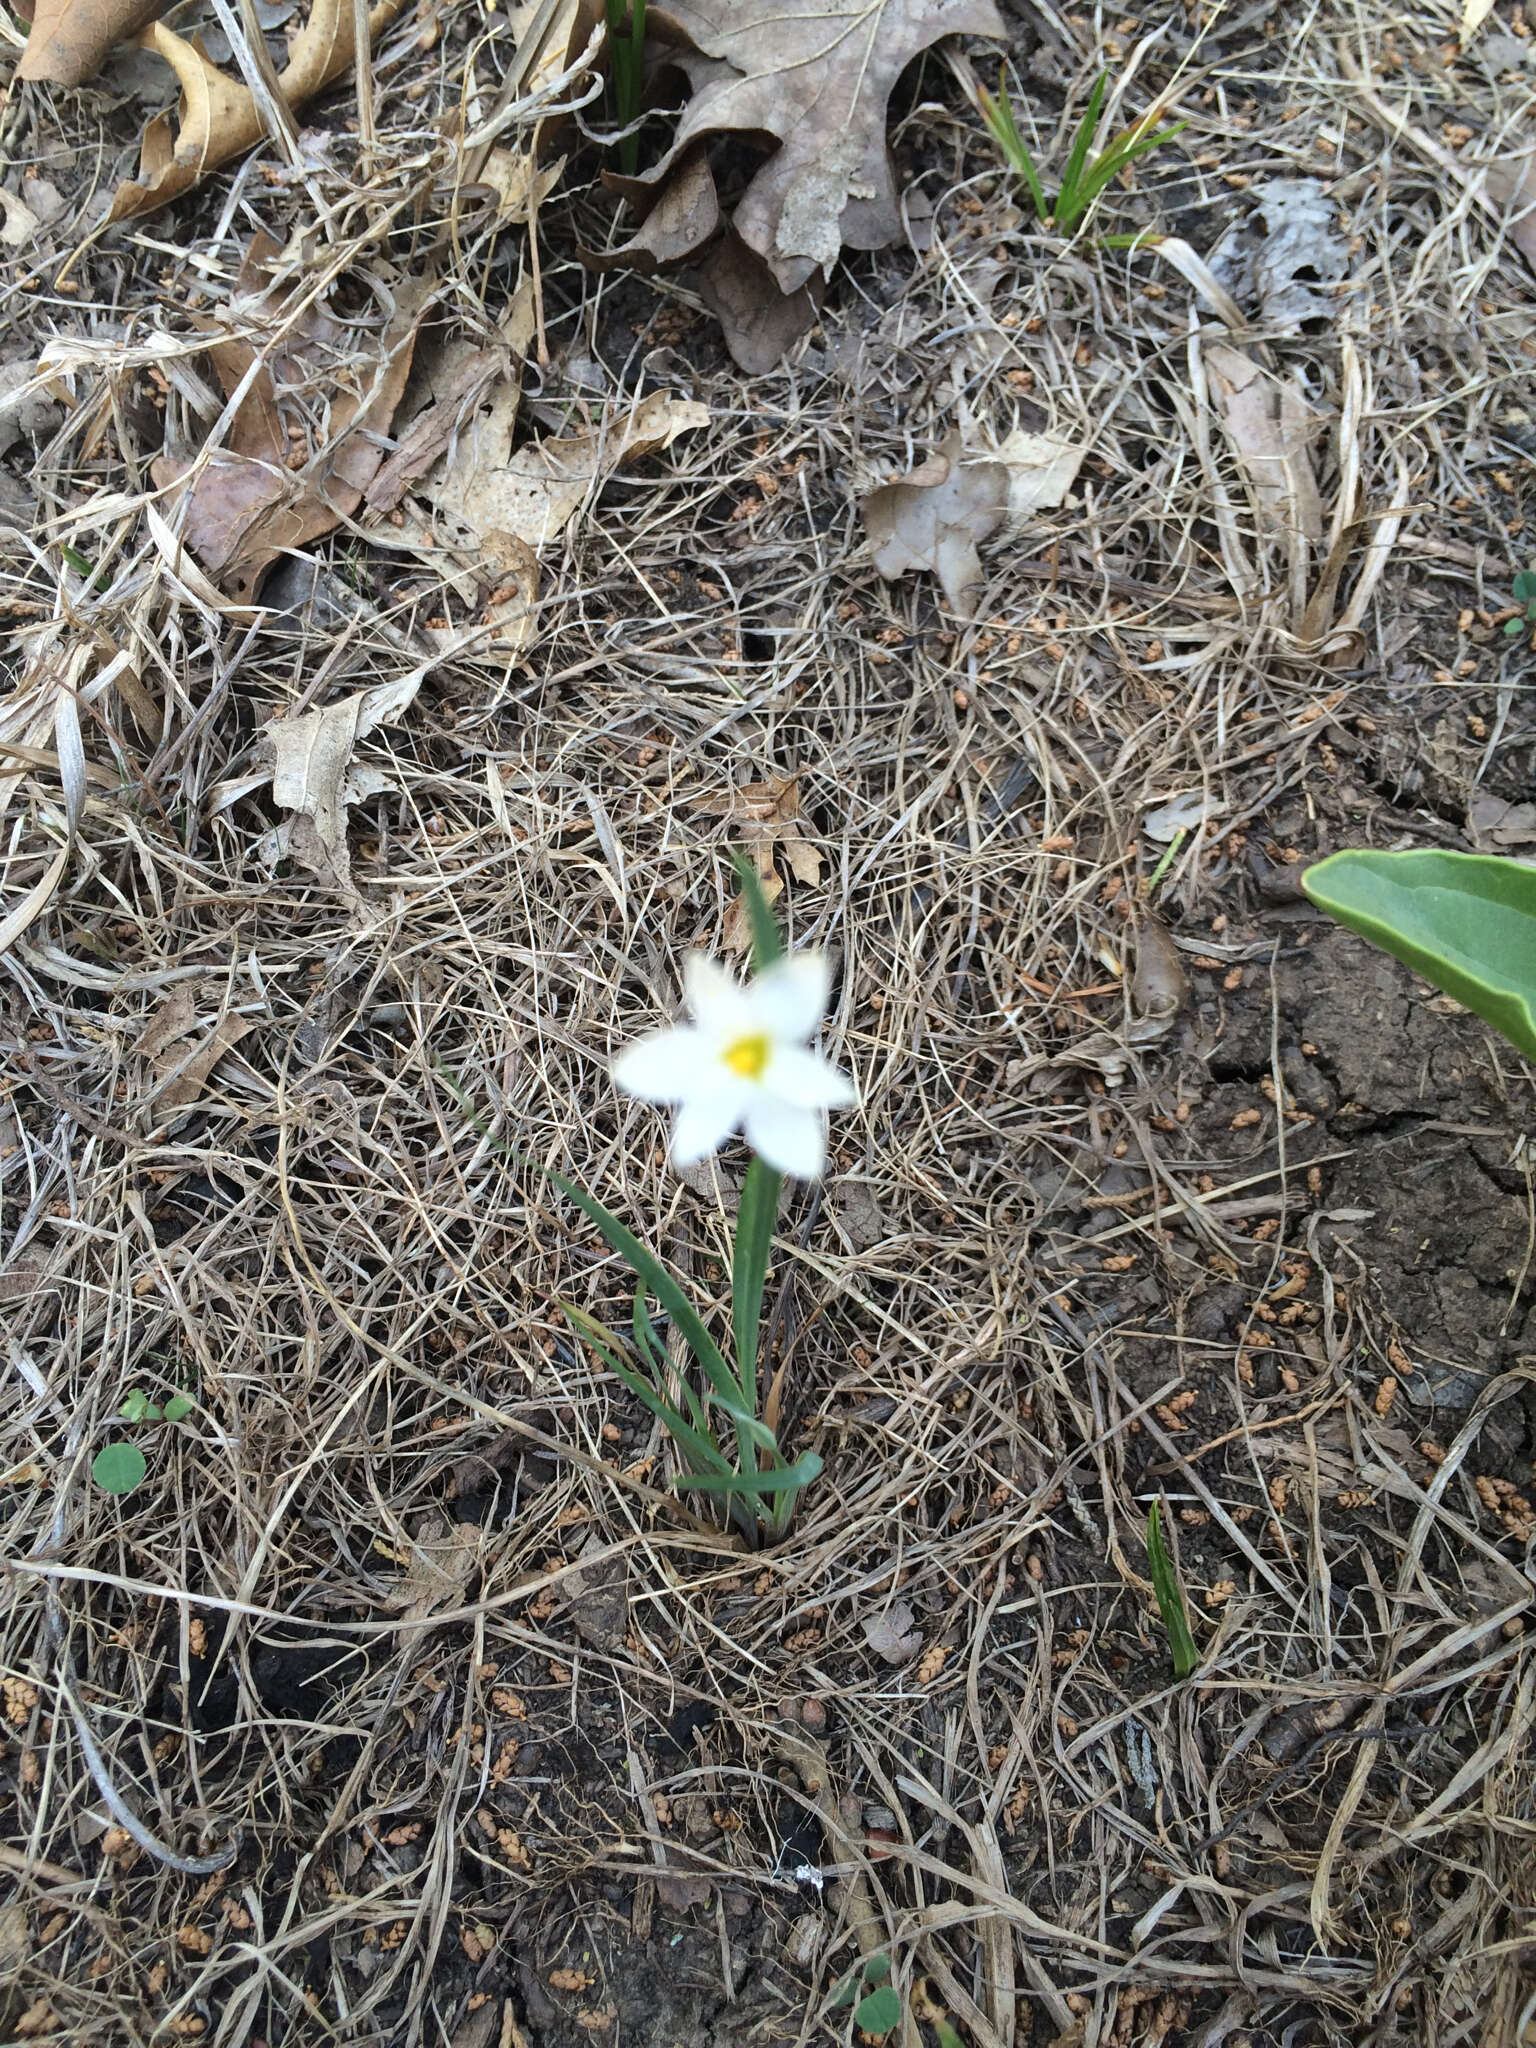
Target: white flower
{"points": [[744, 1064]]}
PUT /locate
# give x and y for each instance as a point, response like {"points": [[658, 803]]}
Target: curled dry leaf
{"points": [[767, 819], [1159, 984], [217, 118], [269, 489], [1279, 258], [1269, 425], [69, 38], [682, 220], [892, 1635], [816, 78], [313, 774], [934, 517]]}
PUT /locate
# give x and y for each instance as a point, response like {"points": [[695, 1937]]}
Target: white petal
{"points": [[662, 1067], [790, 1000], [705, 1121], [789, 1139], [808, 1081], [720, 1005]]}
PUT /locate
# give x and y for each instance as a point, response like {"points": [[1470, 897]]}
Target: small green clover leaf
{"points": [[118, 1468], [1525, 597], [879, 2012], [179, 1407]]}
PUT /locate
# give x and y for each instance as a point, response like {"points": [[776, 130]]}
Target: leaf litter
{"points": [[307, 410], [976, 848]]}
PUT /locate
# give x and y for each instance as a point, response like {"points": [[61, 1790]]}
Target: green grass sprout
{"points": [[626, 58], [1170, 1597], [1085, 176]]}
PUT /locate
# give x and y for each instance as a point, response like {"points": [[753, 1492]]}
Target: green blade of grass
{"points": [[1068, 205], [767, 944], [1170, 1597], [641, 1261], [787, 1479], [701, 1448], [755, 1217]]}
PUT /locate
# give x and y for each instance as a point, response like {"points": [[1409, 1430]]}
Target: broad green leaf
{"points": [[1465, 921], [135, 1406], [877, 1969], [1525, 586], [879, 2012], [179, 1407], [1170, 1597], [118, 1468], [946, 2036]]}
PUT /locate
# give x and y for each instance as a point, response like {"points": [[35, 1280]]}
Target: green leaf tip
{"points": [[1170, 1596], [1465, 921]]}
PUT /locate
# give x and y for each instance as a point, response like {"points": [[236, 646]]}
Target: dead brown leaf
{"points": [[1269, 425], [313, 775], [767, 820], [892, 1635], [534, 492], [1511, 184], [269, 489], [680, 220], [217, 118], [934, 518], [27, 212], [760, 323], [815, 77], [69, 38], [189, 1074]]}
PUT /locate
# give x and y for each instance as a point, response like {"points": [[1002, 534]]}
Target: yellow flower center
{"points": [[747, 1056]]}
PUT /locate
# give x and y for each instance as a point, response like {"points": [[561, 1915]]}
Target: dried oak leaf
{"points": [[767, 820], [533, 493], [934, 517], [760, 323], [217, 118], [816, 78], [269, 488], [69, 38], [680, 221], [313, 775]]}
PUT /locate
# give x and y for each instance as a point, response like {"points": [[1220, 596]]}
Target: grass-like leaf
{"points": [[1170, 1596], [1084, 177]]}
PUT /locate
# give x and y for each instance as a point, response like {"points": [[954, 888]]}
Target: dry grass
{"points": [[380, 1766]]}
